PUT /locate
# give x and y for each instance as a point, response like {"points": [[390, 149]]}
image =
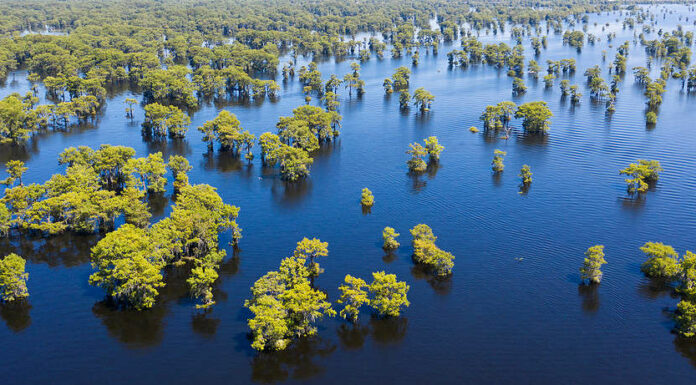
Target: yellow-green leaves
{"points": [[594, 259], [663, 260], [13, 278], [427, 253], [497, 163], [640, 175], [389, 296], [353, 296], [366, 198], [389, 235]]}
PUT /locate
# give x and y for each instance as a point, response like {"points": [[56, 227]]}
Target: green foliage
{"points": [[640, 175], [285, 305], [594, 259], [311, 249], [427, 253], [498, 117], [15, 170], [161, 120], [422, 99], [535, 116], [497, 163], [13, 278], [128, 261], [662, 260], [401, 78], [417, 152], [526, 174], [686, 318], [518, 86], [366, 198], [434, 148], [389, 296], [389, 235], [353, 296]]}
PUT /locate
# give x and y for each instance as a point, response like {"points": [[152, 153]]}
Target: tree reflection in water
{"points": [[297, 362], [590, 297], [352, 336], [16, 315]]}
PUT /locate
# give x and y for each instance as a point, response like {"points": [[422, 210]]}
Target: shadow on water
{"points": [[654, 288], [687, 348], [291, 193], [590, 297], [174, 146], [16, 315], [297, 362], [135, 329], [21, 152], [225, 161], [352, 336], [204, 325], [389, 257], [441, 285], [67, 249], [388, 331], [141, 329], [416, 183]]}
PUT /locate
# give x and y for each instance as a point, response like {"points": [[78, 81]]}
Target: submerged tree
{"points": [[13, 278], [497, 163], [417, 152], [535, 116], [389, 296], [353, 297], [285, 306], [422, 99], [427, 253], [366, 198], [591, 267], [640, 175], [310, 249], [389, 235], [526, 175], [663, 260], [434, 148]]}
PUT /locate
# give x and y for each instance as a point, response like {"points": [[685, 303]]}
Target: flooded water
{"points": [[512, 312]]}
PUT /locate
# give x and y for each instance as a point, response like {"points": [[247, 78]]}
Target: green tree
{"points": [[594, 259], [353, 297], [417, 152], [389, 235], [434, 148], [13, 278], [497, 163], [640, 175], [535, 116], [366, 198], [15, 169], [663, 260], [686, 318], [311, 249], [422, 99], [526, 175], [389, 296]]}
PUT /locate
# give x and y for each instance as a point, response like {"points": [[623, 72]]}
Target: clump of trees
{"points": [[385, 295], [418, 152], [427, 253], [526, 175], [129, 261], [285, 305], [641, 175], [162, 120], [664, 263], [98, 187], [591, 267], [13, 278], [535, 116]]}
